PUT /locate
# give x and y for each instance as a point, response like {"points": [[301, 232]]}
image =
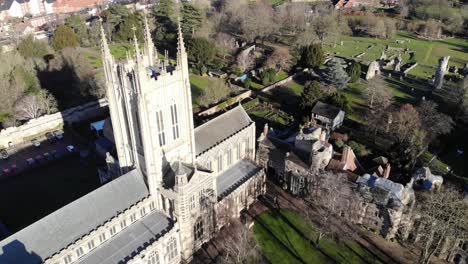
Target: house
{"points": [[327, 115]]}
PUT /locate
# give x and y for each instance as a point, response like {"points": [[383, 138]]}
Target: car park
{"points": [[47, 156], [4, 154], [58, 134], [50, 137], [36, 143]]}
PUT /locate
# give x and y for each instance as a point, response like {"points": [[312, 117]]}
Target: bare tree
{"points": [[280, 59], [434, 122], [239, 246], [258, 22], [325, 195], [28, 107], [226, 44], [378, 94], [214, 92], [444, 214], [292, 17]]}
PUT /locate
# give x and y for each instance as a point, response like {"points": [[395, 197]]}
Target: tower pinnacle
{"points": [[181, 52], [136, 46], [150, 49]]}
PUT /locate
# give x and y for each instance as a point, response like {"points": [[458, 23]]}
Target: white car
{"points": [[70, 148]]}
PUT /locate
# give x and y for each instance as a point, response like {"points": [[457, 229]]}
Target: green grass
{"points": [[278, 77], [295, 88], [281, 243], [427, 53], [198, 84], [276, 2]]}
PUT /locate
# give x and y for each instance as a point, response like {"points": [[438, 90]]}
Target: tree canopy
{"points": [[64, 36]]}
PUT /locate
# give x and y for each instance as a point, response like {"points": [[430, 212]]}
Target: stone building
{"points": [[373, 202], [176, 184]]}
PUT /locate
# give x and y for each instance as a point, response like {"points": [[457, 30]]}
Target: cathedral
{"points": [[175, 184]]}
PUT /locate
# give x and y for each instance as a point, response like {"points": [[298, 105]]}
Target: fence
{"points": [[16, 135]]}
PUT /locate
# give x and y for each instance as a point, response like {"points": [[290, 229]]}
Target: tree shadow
{"points": [[15, 252]]}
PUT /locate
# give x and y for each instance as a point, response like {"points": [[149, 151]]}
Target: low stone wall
{"points": [[220, 106], [43, 124]]}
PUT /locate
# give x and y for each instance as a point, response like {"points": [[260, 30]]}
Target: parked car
{"points": [[58, 134], [50, 137], [47, 156], [30, 161], [36, 143], [70, 148], [4, 154]]}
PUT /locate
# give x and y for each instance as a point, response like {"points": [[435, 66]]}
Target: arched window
{"points": [[198, 229], [172, 249], [153, 258]]}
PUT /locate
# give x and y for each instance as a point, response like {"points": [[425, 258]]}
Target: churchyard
{"points": [[426, 53], [285, 235]]}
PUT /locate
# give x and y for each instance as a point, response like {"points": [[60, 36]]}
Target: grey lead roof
{"points": [[130, 241], [56, 231], [217, 130], [326, 110], [235, 176]]}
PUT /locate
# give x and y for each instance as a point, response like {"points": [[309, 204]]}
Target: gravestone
{"points": [[441, 71], [374, 69], [397, 65]]}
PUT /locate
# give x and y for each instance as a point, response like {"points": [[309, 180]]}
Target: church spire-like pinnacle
{"points": [[136, 46], [104, 45], [181, 53], [150, 49]]}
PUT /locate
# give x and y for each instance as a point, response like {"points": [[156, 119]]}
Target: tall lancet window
{"points": [[175, 122], [160, 124]]}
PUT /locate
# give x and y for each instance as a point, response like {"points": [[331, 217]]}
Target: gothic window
{"points": [[192, 202], [123, 224], [79, 251], [172, 249], [198, 229], [160, 124], [175, 122], [239, 151], [143, 211], [113, 231], [153, 258], [137, 119], [102, 237], [229, 157], [91, 244], [247, 147], [133, 217], [220, 162], [67, 259]]}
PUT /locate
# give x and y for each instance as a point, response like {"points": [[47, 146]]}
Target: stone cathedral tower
{"points": [[151, 109]]}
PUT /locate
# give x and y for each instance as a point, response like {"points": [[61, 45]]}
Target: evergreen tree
{"points": [[64, 36], [165, 27], [201, 52], [192, 19], [30, 48], [125, 32], [312, 56], [339, 100], [335, 74], [78, 25], [354, 72], [310, 95]]}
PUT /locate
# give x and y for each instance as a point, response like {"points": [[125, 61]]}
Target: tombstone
{"points": [[397, 64], [440, 72], [383, 56], [341, 43], [374, 69]]}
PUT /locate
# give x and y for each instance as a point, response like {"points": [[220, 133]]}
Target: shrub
{"points": [[359, 149], [354, 72]]}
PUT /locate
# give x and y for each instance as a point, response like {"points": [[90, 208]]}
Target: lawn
{"points": [[198, 84], [278, 77], [279, 239], [427, 53]]}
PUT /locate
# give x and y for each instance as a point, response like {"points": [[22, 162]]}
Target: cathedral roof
{"points": [[235, 176], [49, 235], [129, 241], [220, 128]]}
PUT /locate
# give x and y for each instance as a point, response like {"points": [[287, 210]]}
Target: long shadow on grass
{"points": [[298, 231]]}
